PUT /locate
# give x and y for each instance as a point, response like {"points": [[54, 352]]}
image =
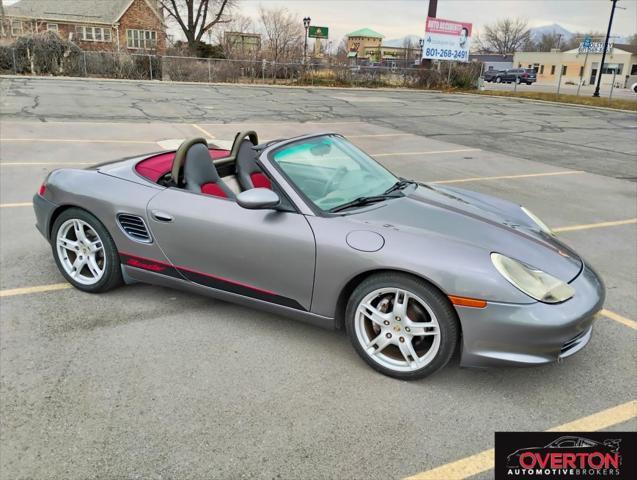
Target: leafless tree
{"points": [[409, 45], [283, 34], [632, 40], [196, 17], [507, 35], [547, 42]]}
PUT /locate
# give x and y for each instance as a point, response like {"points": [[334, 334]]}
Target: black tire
{"points": [[439, 304], [112, 277]]}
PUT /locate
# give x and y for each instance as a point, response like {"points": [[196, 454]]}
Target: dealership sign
{"points": [[594, 47], [447, 40], [318, 32]]}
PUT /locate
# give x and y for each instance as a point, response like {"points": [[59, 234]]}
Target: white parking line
{"points": [[485, 460], [76, 140], [430, 152], [36, 164], [507, 177]]}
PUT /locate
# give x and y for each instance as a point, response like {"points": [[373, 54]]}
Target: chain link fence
{"points": [[70, 61]]}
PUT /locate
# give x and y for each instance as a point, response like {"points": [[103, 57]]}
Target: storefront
{"points": [[573, 65]]}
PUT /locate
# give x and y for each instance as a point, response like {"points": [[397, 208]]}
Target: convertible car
{"points": [[314, 228]]}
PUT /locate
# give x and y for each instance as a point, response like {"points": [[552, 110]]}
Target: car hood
{"points": [[463, 216]]}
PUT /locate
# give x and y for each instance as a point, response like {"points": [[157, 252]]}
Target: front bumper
{"points": [[531, 334], [43, 212]]}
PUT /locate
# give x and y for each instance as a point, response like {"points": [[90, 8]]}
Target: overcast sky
{"points": [[397, 18]]}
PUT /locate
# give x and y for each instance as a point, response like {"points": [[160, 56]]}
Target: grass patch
{"points": [[618, 103]]}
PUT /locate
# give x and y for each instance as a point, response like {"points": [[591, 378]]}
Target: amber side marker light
{"points": [[467, 302]]}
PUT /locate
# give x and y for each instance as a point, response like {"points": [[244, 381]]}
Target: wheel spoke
{"points": [[68, 244], [422, 329], [95, 246], [400, 304], [78, 265], [381, 341], [373, 314], [93, 266], [407, 350], [79, 231]]}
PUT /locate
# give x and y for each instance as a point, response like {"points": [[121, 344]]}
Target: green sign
{"points": [[318, 32]]}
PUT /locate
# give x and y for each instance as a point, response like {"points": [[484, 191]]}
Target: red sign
{"points": [[447, 27]]}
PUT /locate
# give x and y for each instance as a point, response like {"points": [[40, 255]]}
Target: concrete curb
{"points": [[547, 102]]}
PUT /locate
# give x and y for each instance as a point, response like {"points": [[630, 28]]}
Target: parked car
{"points": [[491, 75], [314, 228], [517, 75]]}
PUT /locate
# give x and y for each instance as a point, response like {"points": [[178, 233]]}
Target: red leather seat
{"points": [[201, 176]]}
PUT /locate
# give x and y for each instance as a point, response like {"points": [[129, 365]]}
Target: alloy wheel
{"points": [[397, 329], [81, 251]]}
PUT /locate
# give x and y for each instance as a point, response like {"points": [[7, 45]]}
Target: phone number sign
{"points": [[447, 40]]}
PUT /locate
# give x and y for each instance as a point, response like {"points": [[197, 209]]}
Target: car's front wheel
{"points": [[402, 326], [85, 252], [498, 80]]}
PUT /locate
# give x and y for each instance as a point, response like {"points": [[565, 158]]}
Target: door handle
{"points": [[161, 216]]}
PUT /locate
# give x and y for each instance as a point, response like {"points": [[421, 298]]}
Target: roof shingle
{"points": [[93, 11]]}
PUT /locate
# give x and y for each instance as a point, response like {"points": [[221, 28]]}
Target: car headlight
{"points": [[535, 283], [542, 226]]}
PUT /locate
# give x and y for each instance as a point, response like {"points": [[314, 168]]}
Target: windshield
{"points": [[330, 171]]}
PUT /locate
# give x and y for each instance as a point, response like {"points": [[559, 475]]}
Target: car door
{"points": [[263, 254]]}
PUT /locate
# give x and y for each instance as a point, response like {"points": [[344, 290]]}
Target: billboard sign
{"points": [[447, 40], [318, 32]]}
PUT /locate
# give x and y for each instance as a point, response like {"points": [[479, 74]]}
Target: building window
{"points": [[610, 68], [633, 69], [16, 28], [141, 39], [581, 71], [552, 69], [541, 69], [564, 68], [52, 27], [93, 34]]}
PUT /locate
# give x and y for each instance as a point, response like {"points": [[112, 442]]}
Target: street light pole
{"points": [[306, 24], [601, 67]]}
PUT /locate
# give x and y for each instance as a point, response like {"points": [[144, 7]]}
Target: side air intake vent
{"points": [[134, 227]]}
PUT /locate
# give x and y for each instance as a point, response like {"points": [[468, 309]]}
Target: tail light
{"points": [[42, 190]]}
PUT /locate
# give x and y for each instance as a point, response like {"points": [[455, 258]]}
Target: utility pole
{"points": [[601, 67], [431, 12]]}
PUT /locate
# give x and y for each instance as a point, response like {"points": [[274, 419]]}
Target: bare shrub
{"points": [[46, 54]]}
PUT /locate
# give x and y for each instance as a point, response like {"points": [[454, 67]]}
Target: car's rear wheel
{"points": [[85, 252], [401, 326], [498, 80]]}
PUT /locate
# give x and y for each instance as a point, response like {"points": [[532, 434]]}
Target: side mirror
{"points": [[258, 199]]}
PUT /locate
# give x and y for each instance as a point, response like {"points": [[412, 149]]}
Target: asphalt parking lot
{"points": [[146, 382]]}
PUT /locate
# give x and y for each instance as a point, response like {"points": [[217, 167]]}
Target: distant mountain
{"points": [[537, 32], [400, 42]]}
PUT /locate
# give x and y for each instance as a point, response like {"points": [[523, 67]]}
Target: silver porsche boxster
{"points": [[314, 228]]}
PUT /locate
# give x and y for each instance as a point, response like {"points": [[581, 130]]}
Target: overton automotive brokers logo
{"points": [[575, 455]]}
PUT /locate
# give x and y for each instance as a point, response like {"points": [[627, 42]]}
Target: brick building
{"points": [[133, 26]]}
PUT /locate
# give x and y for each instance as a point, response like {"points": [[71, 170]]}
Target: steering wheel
{"points": [[335, 180]]}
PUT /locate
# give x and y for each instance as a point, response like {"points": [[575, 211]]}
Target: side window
{"points": [[569, 442]]}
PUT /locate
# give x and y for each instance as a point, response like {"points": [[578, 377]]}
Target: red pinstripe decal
{"points": [[233, 282]]}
